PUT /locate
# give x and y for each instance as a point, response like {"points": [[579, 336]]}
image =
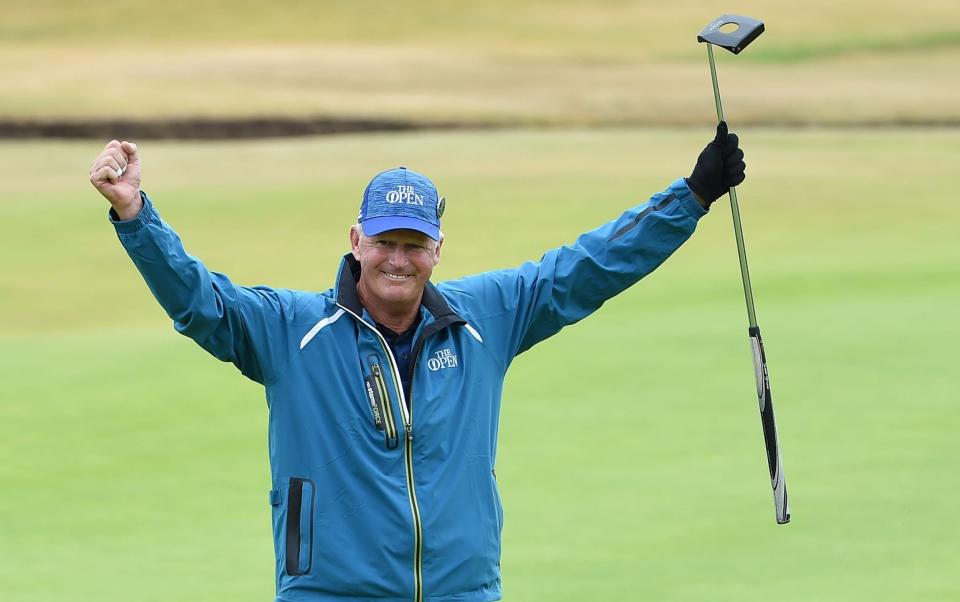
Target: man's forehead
{"points": [[401, 235]]}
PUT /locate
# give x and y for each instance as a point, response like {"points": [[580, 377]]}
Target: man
{"points": [[384, 391]]}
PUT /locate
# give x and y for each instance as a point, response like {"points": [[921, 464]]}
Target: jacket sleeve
{"points": [[242, 325], [528, 304]]}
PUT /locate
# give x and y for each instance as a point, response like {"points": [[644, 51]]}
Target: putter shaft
{"points": [[734, 207]]}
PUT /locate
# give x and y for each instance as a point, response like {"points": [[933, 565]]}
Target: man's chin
{"points": [[399, 293]]}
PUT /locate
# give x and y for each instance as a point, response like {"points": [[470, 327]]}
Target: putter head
{"points": [[748, 30]]}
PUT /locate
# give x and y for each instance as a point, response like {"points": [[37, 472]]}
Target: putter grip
{"points": [[769, 423]]}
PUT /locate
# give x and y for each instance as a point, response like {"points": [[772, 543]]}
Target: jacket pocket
{"points": [[299, 536], [379, 400]]}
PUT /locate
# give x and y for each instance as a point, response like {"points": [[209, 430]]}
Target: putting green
{"points": [[631, 459]]}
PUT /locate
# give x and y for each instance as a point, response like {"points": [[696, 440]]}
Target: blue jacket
{"points": [[372, 501]]}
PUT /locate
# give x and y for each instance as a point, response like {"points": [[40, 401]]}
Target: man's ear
{"points": [[436, 252], [355, 242]]}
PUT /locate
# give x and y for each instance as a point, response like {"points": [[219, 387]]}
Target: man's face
{"points": [[394, 266]]}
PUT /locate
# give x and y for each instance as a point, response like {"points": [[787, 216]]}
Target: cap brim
{"points": [[379, 225]]}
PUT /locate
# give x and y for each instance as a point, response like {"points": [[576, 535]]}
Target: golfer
{"points": [[384, 390]]}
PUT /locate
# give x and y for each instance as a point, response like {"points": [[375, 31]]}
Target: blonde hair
{"points": [[359, 230]]}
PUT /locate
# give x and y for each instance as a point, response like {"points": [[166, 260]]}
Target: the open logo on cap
{"points": [[404, 194]]}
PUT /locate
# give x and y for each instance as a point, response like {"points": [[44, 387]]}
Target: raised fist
{"points": [[115, 173]]}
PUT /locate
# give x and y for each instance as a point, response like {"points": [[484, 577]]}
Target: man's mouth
{"points": [[396, 277]]}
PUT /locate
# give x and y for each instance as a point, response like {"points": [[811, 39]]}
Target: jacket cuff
{"points": [[688, 202], [129, 226]]}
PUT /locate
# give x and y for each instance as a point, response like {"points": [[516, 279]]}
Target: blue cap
{"points": [[401, 198]]}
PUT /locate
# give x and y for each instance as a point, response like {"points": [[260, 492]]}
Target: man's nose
{"points": [[399, 256]]}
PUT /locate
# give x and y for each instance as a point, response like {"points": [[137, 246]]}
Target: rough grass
{"points": [[615, 28], [568, 61], [631, 459]]}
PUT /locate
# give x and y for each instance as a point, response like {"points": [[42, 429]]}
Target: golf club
{"points": [[740, 31]]}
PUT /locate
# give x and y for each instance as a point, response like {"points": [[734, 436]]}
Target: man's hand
{"points": [[719, 167], [115, 173]]}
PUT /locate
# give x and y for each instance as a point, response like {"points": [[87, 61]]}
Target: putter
{"points": [[735, 40]]}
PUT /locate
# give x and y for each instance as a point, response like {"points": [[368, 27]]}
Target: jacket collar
{"points": [[345, 292]]}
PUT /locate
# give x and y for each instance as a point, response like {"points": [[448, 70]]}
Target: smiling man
{"points": [[384, 391], [396, 243]]}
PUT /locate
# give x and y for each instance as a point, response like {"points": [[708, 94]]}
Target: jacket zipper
{"points": [[407, 416], [418, 546]]}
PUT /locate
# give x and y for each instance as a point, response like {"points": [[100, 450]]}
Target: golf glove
{"points": [[719, 166]]}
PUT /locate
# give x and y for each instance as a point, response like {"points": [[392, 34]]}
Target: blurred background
{"points": [[631, 459]]}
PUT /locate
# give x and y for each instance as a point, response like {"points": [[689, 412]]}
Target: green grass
{"points": [[916, 43], [631, 460]]}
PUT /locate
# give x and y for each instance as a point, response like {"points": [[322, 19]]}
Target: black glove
{"points": [[719, 167]]}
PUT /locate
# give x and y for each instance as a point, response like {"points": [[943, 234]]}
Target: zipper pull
{"points": [[409, 432]]}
